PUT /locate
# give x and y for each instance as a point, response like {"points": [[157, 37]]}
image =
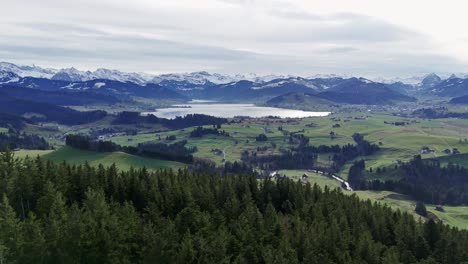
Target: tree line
{"points": [[176, 151], [14, 140], [202, 131], [425, 180], [189, 120], [305, 157]]}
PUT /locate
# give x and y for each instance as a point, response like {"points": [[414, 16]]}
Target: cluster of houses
{"points": [[427, 150], [452, 151], [109, 135]]}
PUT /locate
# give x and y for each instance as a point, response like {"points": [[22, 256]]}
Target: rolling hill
{"points": [[362, 91], [460, 100], [303, 101], [47, 112], [59, 97]]}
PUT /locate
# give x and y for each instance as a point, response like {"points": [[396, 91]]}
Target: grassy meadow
{"points": [[122, 160], [396, 142]]}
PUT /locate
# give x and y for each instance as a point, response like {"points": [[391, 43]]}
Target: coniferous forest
{"points": [[59, 213]]}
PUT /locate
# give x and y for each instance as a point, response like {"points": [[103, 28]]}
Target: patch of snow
{"points": [[99, 85]]}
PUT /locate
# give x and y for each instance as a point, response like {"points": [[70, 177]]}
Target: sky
{"points": [[299, 37]]}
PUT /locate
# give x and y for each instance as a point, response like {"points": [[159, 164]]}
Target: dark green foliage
{"points": [[48, 112], [13, 121], [176, 151], [421, 209], [60, 97], [427, 181], [261, 137], [440, 112], [15, 140], [285, 160], [201, 131], [176, 123], [87, 143], [79, 214]]}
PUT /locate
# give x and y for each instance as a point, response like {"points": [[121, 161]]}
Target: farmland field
{"points": [[122, 160], [396, 142]]}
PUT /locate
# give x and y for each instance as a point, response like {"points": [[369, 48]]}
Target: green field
{"points": [[456, 216], [123, 160], [452, 215], [3, 130], [313, 178], [396, 142], [461, 159], [31, 153]]}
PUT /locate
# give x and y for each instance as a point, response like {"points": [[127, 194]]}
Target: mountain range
{"points": [[215, 86]]}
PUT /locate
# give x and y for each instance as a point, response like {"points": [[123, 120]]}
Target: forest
{"points": [[190, 120], [305, 157], [14, 140], [58, 213], [176, 151], [425, 180], [201, 131]]}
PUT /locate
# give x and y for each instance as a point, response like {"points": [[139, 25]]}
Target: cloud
{"points": [[218, 35]]}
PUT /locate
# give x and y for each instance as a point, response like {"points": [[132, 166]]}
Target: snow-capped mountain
{"points": [[74, 75], [7, 77], [27, 71], [412, 80], [198, 78]]}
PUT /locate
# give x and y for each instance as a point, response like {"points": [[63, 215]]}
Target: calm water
{"points": [[231, 110]]}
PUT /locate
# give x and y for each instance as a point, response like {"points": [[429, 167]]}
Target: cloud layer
{"points": [[218, 35]]}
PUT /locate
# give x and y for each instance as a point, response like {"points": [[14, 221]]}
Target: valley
{"points": [[291, 125]]}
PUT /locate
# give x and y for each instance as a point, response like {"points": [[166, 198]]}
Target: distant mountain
{"points": [[430, 81], [7, 77], [121, 90], [363, 91], [460, 100], [249, 91], [239, 87], [452, 87], [24, 71], [402, 88], [302, 101], [60, 97], [47, 112], [13, 121], [74, 75]]}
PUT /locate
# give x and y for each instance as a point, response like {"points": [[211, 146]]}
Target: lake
{"points": [[231, 110]]}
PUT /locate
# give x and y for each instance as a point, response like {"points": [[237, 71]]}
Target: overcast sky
{"points": [[305, 37]]}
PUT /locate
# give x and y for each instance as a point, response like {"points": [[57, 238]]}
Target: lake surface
{"points": [[232, 110]]}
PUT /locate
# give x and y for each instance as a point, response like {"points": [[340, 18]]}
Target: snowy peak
{"points": [[71, 75], [74, 75], [27, 71], [431, 80], [198, 78]]}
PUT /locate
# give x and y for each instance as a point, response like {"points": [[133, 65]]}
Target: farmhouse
{"points": [[425, 150]]}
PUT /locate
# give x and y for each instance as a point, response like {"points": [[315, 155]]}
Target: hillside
{"points": [[59, 97], [123, 160], [47, 112], [360, 91], [301, 101], [452, 87], [460, 100], [121, 90]]}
